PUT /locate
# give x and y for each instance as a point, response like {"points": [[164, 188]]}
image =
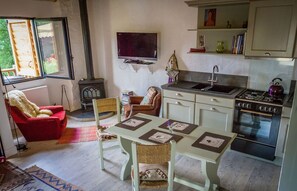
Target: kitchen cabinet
{"points": [[229, 23], [214, 112], [271, 28], [283, 130], [178, 106], [236, 15]]}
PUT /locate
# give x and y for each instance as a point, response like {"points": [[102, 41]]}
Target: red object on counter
{"points": [[197, 49]]}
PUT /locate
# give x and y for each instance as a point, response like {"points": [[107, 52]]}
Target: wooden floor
{"points": [[78, 164]]}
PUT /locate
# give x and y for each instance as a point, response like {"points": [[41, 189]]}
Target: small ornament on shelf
{"points": [[172, 69], [228, 26]]}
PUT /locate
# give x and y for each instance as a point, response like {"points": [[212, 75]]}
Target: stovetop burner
{"points": [[260, 96]]}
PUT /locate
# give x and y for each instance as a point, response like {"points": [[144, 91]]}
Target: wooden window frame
{"points": [[69, 57]]}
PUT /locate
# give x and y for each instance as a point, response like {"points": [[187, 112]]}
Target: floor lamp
{"points": [[19, 146]]}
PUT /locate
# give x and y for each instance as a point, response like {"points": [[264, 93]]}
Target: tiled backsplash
{"points": [[222, 79], [263, 71], [260, 72]]}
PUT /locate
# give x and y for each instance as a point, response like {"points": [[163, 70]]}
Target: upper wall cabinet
{"points": [[196, 3], [221, 23], [272, 28]]}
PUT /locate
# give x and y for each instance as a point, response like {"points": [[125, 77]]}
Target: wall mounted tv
{"points": [[135, 46]]}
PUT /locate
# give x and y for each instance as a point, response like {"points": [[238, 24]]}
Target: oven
{"points": [[257, 125]]}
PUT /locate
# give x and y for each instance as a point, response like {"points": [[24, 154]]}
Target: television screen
{"points": [[137, 45]]}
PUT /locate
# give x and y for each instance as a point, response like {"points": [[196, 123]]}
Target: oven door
{"points": [[256, 126]]}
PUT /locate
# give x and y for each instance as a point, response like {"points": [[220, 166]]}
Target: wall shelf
{"points": [[211, 52], [218, 29], [135, 67]]}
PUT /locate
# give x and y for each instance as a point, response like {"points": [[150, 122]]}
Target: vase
{"points": [[220, 47]]}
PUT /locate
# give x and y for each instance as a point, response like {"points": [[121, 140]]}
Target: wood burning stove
{"points": [[91, 89]]}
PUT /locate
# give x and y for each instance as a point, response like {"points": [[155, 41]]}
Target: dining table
{"points": [[192, 142]]}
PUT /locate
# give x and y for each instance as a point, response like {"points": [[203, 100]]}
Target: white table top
{"points": [[183, 146]]}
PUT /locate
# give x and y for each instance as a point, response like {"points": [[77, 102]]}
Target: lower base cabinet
{"points": [[179, 110], [216, 117]]}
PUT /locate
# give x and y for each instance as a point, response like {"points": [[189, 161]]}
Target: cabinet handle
{"points": [[212, 99], [267, 54], [178, 94], [177, 103], [212, 109]]}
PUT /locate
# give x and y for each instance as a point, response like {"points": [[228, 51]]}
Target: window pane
{"points": [[18, 55], [54, 48]]}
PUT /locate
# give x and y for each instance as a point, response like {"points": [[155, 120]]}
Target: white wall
{"points": [[5, 129], [167, 17], [29, 8], [170, 18]]}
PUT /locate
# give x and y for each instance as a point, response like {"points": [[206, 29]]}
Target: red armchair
{"points": [[40, 128], [135, 107]]}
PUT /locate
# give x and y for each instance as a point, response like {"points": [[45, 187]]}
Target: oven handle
{"points": [[255, 112]]}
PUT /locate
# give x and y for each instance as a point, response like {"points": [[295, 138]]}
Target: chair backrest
{"points": [[154, 154], [106, 105]]}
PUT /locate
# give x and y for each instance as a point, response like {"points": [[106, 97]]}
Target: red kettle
{"points": [[276, 90]]}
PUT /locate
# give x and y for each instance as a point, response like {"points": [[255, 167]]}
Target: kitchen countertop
{"points": [[288, 100], [186, 86]]}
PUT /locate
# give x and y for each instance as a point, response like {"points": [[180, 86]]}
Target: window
{"points": [[33, 49]]}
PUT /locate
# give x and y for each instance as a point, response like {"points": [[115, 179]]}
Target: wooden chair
{"points": [[102, 106], [152, 155]]}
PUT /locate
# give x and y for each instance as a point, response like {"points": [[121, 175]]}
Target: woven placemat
{"points": [[189, 127], [128, 123], [212, 142], [147, 136]]}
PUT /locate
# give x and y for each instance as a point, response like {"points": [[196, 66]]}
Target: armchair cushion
{"points": [[149, 97], [135, 99], [46, 112]]}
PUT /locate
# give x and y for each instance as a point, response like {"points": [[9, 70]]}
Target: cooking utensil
{"points": [[276, 90]]}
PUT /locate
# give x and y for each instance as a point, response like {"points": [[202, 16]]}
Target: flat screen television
{"points": [[135, 46]]}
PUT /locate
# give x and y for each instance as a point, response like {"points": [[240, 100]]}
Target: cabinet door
{"points": [[282, 134], [178, 110], [216, 117], [272, 28]]}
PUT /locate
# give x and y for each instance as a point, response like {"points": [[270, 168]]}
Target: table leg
{"points": [[125, 144], [210, 170]]}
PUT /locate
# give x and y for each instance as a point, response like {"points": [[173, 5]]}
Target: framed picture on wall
{"points": [[210, 17]]}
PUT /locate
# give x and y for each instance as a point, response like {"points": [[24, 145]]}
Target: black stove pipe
{"points": [[86, 38]]}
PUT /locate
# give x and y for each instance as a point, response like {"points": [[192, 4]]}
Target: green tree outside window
{"points": [[6, 57]]}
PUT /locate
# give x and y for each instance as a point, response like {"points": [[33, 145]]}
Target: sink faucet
{"points": [[213, 80]]}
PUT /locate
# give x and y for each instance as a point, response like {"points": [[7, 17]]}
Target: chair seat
{"points": [[150, 184], [61, 115], [102, 135]]}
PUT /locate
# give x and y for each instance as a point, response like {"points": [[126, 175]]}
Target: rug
{"points": [[8, 172], [76, 135], [45, 181]]}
